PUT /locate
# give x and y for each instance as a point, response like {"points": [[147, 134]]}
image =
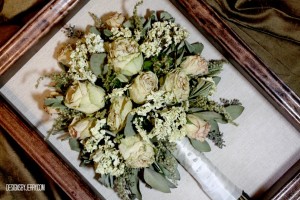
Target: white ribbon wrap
{"points": [[212, 181]]}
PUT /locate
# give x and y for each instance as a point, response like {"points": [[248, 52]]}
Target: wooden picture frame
{"points": [[205, 19]]}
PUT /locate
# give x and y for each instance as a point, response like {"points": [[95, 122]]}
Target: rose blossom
{"points": [[125, 57], [115, 20], [194, 65], [142, 86], [198, 129], [82, 128], [136, 152], [118, 112], [177, 83], [85, 97]]}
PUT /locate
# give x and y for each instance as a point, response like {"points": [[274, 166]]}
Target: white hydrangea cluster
{"points": [[94, 43], [170, 125], [108, 159], [120, 32], [79, 66], [162, 35]]}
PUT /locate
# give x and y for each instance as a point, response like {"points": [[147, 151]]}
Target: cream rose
{"points": [[194, 65], [118, 112], [197, 128], [85, 97], [83, 128], [115, 20], [177, 83], [136, 153], [142, 86], [125, 57]]}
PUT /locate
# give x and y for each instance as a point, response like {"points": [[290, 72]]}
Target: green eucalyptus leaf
{"points": [[94, 30], [107, 33], [134, 184], [55, 102], [189, 47], [198, 48], [156, 180], [208, 115], [106, 180], [195, 110], [165, 16], [214, 127], [234, 111], [74, 144], [147, 65], [153, 16], [179, 60], [200, 146], [129, 131], [216, 79], [96, 63], [147, 25]]}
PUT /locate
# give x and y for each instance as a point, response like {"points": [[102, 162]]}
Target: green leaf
{"points": [[198, 48], [147, 65], [234, 111], [208, 115], [107, 33], [200, 146], [129, 131], [74, 144], [134, 184], [94, 30], [55, 102], [166, 16], [156, 180], [96, 62], [128, 24], [179, 60], [216, 79], [106, 180], [189, 47], [214, 127]]}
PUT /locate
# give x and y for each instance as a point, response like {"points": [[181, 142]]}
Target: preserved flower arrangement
{"points": [[130, 90]]}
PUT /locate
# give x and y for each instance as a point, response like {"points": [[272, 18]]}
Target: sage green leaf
{"points": [[234, 111], [153, 16], [195, 110], [200, 146], [156, 180], [166, 16], [96, 62], [74, 144], [94, 30], [129, 131], [128, 24], [107, 33], [179, 60], [208, 115], [147, 25], [189, 47], [147, 65], [214, 127], [134, 184], [198, 48], [106, 180], [55, 102], [216, 79]]}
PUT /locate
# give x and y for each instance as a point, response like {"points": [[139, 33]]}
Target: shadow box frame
{"points": [[210, 25]]}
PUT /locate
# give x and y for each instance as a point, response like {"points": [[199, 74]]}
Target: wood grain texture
{"points": [[39, 25], [239, 54], [41, 153]]}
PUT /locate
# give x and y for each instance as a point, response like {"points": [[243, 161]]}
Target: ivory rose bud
{"points": [[136, 153], [115, 20], [194, 65], [118, 112], [197, 128], [85, 97], [125, 57], [177, 83], [142, 86], [82, 128]]}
